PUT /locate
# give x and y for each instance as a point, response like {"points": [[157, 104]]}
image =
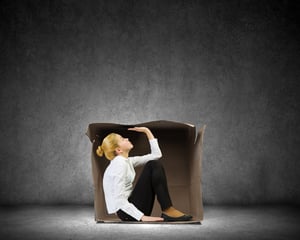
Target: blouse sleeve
{"points": [[155, 154]]}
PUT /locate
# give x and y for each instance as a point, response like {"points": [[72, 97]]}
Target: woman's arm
{"points": [[143, 130], [154, 147]]}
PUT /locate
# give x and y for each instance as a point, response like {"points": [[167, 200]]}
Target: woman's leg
{"points": [[152, 182]]}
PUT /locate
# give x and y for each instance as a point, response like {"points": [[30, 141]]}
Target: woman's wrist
{"points": [[149, 134]]}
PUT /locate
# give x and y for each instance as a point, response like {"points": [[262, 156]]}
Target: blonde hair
{"points": [[108, 146]]}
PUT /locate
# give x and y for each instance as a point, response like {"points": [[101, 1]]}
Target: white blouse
{"points": [[118, 180]]}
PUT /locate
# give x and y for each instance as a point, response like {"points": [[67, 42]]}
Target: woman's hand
{"points": [[139, 129], [143, 130], [151, 219]]}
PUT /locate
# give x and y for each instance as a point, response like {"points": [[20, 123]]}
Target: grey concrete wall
{"points": [[233, 65]]}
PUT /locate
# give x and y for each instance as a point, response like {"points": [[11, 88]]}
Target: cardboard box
{"points": [[181, 150]]}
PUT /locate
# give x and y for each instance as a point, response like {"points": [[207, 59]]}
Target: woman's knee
{"points": [[157, 170], [154, 164]]}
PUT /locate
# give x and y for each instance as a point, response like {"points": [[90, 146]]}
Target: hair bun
{"points": [[99, 151]]}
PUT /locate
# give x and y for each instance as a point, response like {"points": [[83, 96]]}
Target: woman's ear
{"points": [[118, 151]]}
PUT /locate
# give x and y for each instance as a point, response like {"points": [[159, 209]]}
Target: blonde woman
{"points": [[135, 204]]}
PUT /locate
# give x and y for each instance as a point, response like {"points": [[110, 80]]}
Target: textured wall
{"points": [[233, 65]]}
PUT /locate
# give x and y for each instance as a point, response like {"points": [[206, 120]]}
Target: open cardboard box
{"points": [[181, 156]]}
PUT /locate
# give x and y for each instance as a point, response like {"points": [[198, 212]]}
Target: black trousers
{"points": [[152, 182]]}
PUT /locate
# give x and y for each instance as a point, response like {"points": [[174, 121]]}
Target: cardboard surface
{"points": [[182, 157], [123, 222]]}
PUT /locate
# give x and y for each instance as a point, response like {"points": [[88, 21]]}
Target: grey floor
{"points": [[76, 222]]}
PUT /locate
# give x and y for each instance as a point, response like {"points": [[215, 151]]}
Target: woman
{"points": [[136, 204]]}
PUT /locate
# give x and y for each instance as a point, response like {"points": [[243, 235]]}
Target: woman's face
{"points": [[124, 144]]}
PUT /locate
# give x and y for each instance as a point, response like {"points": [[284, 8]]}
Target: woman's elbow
{"points": [[158, 155]]}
